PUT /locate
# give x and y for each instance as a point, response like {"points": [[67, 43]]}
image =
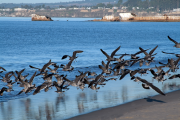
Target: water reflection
{"points": [[170, 86], [124, 94], [50, 105], [81, 100], [60, 102]]}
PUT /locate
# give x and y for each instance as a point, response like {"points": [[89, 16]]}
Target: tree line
{"points": [[157, 4], [142, 4]]}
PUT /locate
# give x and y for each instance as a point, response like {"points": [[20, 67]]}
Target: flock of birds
{"points": [[114, 68]]}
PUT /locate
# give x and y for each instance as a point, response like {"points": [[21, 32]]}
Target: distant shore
{"points": [[154, 108]]}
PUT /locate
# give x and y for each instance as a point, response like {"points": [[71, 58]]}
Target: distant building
{"points": [[176, 10], [124, 7], [8, 9], [60, 9], [151, 7], [20, 9], [115, 8], [42, 9], [75, 8], [100, 7]]}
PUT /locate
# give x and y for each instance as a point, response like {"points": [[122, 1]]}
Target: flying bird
{"points": [[110, 58], [177, 45], [73, 56]]}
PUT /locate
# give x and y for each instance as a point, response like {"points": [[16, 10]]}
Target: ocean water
{"points": [[25, 42]]}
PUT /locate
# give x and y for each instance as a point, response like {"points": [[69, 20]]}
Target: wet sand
{"points": [[155, 108]]}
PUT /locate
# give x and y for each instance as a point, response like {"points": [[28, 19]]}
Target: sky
{"points": [[35, 1]]}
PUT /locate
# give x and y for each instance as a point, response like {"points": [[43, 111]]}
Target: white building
{"points": [[124, 7], [100, 7], [8, 9], [60, 9], [42, 9], [126, 16], [20, 9], [75, 8], [115, 8], [151, 7], [176, 10]]}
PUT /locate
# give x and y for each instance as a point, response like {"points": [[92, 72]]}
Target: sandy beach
{"points": [[155, 108]]}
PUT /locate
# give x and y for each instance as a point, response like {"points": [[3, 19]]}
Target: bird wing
{"points": [[75, 52], [105, 54], [33, 67], [134, 61], [151, 85], [86, 81], [61, 86], [167, 53], [103, 63], [143, 51], [101, 67], [56, 85], [98, 77], [140, 52], [162, 63], [20, 72], [172, 40], [21, 92], [151, 52], [176, 62], [172, 77], [39, 88], [107, 65], [156, 89], [45, 66], [2, 68], [49, 68], [64, 56], [32, 78], [152, 71], [114, 52], [121, 56], [64, 78], [119, 65], [132, 73], [7, 74], [69, 63], [171, 62], [123, 75]]}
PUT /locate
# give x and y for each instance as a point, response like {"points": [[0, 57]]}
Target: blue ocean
{"points": [[25, 42]]}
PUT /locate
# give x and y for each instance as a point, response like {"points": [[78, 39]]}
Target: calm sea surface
{"points": [[24, 42]]}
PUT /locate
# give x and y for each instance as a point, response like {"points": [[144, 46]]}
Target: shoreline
{"points": [[156, 107]]}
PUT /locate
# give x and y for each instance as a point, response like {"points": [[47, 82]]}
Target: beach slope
{"points": [[155, 108]]}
